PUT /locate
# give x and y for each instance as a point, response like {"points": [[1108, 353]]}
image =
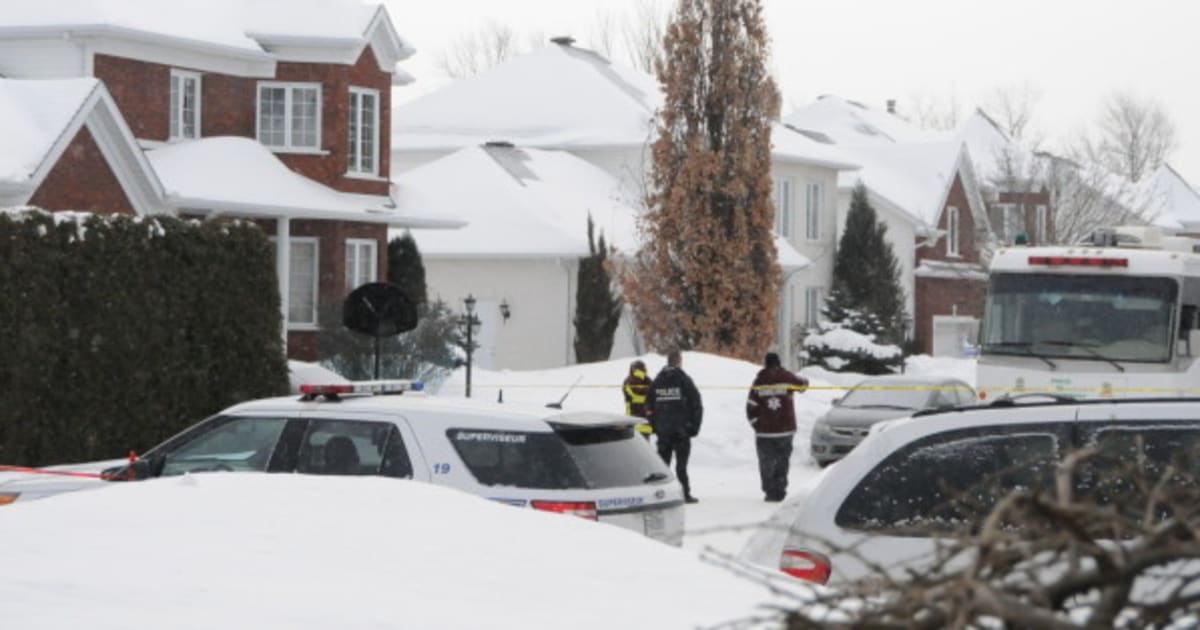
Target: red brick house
{"points": [[271, 110]]}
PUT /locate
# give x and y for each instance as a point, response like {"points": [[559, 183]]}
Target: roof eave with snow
{"points": [[220, 207]]}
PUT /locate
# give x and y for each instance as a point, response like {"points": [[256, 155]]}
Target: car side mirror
{"points": [[142, 468]]}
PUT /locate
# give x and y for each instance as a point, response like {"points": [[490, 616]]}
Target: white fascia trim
{"points": [[503, 256], [383, 36], [64, 138], [951, 271], [786, 158], [168, 50], [253, 210], [129, 164]]}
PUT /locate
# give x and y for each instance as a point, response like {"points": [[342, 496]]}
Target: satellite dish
{"points": [[379, 309]]}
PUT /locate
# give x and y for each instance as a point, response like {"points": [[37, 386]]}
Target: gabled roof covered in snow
{"points": [[240, 177], [914, 177], [524, 204], [251, 30], [997, 157], [1175, 202], [850, 123], [557, 97], [38, 121]]}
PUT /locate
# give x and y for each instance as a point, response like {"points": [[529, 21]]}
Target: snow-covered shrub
{"points": [[838, 348]]}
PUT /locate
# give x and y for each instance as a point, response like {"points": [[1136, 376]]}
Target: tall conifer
{"points": [[866, 275], [707, 277]]}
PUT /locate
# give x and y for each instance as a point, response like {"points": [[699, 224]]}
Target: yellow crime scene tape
{"points": [[1053, 389]]}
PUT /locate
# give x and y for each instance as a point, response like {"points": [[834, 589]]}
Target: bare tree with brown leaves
{"points": [[707, 276]]}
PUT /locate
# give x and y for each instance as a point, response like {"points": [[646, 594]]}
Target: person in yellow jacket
{"points": [[635, 388]]}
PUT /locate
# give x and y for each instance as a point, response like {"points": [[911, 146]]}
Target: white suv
{"points": [[914, 479], [592, 465]]}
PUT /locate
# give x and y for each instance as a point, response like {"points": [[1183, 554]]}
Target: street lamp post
{"points": [[469, 322]]}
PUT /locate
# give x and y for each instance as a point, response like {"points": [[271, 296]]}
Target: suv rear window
{"points": [[612, 457], [513, 458], [591, 457]]}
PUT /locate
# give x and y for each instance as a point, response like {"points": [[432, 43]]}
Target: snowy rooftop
{"points": [[239, 176], [850, 123], [916, 177], [558, 96], [248, 25], [525, 203], [1175, 202], [33, 117]]}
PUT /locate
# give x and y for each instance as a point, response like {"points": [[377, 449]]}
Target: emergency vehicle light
{"points": [[1079, 261], [362, 387]]}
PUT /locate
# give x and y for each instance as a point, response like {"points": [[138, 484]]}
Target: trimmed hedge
{"points": [[117, 332]]}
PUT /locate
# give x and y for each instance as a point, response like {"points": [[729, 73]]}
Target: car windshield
{"points": [[1104, 318], [888, 395]]}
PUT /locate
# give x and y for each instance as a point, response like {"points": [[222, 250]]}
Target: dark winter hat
{"points": [[772, 360]]}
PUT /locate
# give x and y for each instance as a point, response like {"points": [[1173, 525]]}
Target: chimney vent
{"points": [[563, 40], [891, 106], [498, 144]]}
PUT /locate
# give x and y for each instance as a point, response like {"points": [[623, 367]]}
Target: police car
{"points": [[591, 465], [885, 505]]}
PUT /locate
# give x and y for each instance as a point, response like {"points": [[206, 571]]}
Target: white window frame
{"points": [[952, 244], [784, 197], [1043, 215], [813, 202], [354, 255], [354, 121], [290, 90], [1009, 225], [813, 301], [175, 128], [312, 323]]}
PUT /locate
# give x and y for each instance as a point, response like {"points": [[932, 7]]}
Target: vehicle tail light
{"points": [[582, 509], [805, 565], [9, 497], [1079, 261]]}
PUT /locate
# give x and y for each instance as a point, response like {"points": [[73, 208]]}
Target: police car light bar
{"points": [[362, 387], [1079, 261]]}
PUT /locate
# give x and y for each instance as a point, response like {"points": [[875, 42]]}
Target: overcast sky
{"points": [[941, 51]]}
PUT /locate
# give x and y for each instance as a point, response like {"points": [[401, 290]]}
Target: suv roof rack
{"points": [[334, 391]]}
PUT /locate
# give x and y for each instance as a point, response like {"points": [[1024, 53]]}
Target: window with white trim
{"points": [[302, 282], [289, 115], [952, 231], [1010, 221], [813, 193], [1043, 219], [363, 149], [361, 262], [813, 302], [184, 106], [783, 206]]}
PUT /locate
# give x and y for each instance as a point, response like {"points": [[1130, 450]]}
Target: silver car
{"points": [[881, 398]]}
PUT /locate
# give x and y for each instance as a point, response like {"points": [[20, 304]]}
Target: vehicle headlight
{"points": [[821, 428]]}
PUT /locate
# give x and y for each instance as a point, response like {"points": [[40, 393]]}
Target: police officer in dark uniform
{"points": [[675, 413]]}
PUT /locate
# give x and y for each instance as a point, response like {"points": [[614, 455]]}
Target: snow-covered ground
{"points": [[723, 468], [295, 551]]}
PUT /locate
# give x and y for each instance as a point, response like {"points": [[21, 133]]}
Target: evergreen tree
{"points": [[427, 352], [405, 268], [866, 292], [597, 307], [707, 277]]}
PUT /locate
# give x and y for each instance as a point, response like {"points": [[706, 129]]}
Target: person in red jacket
{"points": [[770, 411]]}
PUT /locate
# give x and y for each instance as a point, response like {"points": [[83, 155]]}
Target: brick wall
{"points": [[945, 296], [1027, 202], [142, 91], [82, 180], [332, 289], [968, 249]]}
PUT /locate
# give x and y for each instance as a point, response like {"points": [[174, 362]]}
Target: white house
{"points": [[566, 98], [923, 187]]}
